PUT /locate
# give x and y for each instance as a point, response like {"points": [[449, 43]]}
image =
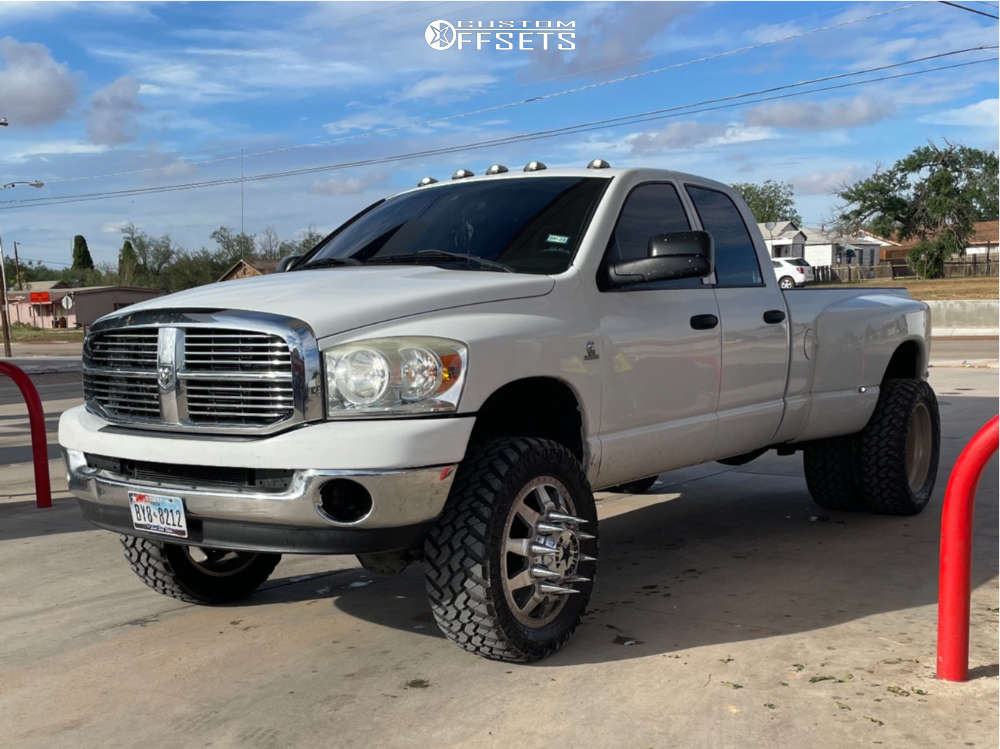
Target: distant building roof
{"points": [[60, 290], [778, 230], [984, 232], [40, 286], [249, 266]]}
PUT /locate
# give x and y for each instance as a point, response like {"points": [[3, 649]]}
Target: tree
{"points": [[81, 254], [128, 263], [268, 245], [934, 194], [153, 253], [233, 245], [310, 239], [770, 200]]}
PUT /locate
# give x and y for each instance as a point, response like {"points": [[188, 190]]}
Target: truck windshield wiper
{"points": [[329, 262], [440, 255]]}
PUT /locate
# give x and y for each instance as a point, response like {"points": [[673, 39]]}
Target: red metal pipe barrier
{"points": [[39, 445], [956, 554]]}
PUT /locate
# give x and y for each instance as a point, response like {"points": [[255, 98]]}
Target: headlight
{"points": [[394, 376]]}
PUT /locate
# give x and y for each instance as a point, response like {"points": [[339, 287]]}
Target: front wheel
{"points": [[511, 560], [195, 574]]}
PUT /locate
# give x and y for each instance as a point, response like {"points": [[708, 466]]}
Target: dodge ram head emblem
{"points": [[166, 376]]}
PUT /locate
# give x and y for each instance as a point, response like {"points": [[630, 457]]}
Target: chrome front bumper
{"points": [[404, 502]]}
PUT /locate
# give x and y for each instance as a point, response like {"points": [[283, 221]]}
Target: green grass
{"points": [[938, 288], [27, 334]]}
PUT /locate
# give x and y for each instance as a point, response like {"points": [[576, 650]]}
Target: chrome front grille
{"points": [[122, 395], [196, 373], [239, 402], [132, 349], [219, 350]]}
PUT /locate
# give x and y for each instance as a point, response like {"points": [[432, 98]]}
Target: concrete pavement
{"points": [[729, 612]]}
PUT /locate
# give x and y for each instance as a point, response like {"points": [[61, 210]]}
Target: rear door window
{"points": [[735, 257]]}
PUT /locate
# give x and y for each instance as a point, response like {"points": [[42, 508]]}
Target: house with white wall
{"points": [[819, 247], [782, 238]]}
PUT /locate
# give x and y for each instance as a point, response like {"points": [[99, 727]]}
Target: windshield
{"points": [[799, 262], [521, 225]]}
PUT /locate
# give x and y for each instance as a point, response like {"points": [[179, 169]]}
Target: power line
{"points": [[500, 107], [971, 10], [725, 102], [635, 118]]}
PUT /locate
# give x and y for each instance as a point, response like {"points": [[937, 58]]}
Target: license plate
{"points": [[158, 514]]}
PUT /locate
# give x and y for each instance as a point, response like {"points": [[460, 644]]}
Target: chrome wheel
{"points": [[542, 552], [218, 562], [786, 283], [919, 446]]}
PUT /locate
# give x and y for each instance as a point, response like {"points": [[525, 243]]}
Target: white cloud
{"points": [[113, 110], [348, 185], [261, 64], [770, 32], [985, 113], [826, 182], [612, 36], [448, 87], [114, 227], [370, 119], [691, 134], [34, 88], [54, 148], [822, 115]]}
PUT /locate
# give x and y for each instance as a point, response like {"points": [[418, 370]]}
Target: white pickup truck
{"points": [[450, 375]]}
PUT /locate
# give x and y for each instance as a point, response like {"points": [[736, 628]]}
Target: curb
{"points": [[965, 333], [966, 363]]}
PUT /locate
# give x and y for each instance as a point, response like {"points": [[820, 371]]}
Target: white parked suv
{"points": [[792, 272], [450, 375]]}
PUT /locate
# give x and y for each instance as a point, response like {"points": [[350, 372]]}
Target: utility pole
{"points": [[17, 270], [242, 202], [4, 319]]}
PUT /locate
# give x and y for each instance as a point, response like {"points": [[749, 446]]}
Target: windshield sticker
{"points": [[557, 239]]}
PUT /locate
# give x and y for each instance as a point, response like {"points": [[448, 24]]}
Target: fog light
{"points": [[345, 501]]}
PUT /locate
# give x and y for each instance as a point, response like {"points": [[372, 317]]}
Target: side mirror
{"points": [[683, 254], [286, 263]]}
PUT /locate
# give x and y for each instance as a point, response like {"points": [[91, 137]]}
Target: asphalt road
{"points": [[729, 612], [957, 349]]}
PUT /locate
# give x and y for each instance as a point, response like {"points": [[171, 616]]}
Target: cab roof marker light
{"points": [[462, 174], [496, 169], [534, 166], [426, 181], [598, 164]]}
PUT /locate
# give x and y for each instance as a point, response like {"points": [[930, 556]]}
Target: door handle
{"points": [[774, 316], [704, 322]]}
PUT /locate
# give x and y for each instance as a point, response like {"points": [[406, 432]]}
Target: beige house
{"points": [[41, 303], [249, 267]]}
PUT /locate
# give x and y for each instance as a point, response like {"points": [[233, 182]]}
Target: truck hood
{"points": [[334, 300]]}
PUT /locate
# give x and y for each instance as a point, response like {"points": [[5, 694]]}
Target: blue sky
{"points": [[104, 97]]}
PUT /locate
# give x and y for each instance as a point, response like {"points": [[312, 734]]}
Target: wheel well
{"points": [[533, 407], [905, 362]]}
